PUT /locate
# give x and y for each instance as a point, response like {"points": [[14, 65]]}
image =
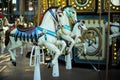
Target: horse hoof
{"points": [[66, 53], [49, 65], [10, 59], [14, 63]]}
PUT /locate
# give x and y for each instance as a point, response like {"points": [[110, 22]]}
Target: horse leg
{"points": [[53, 48], [21, 48], [14, 51], [78, 42], [61, 43], [84, 48], [55, 65], [11, 48], [68, 61], [69, 39], [2, 47], [2, 44], [13, 59]]}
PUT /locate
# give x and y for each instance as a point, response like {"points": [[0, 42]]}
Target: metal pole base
{"points": [[55, 72], [68, 62]]}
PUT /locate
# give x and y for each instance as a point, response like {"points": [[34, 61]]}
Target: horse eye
{"points": [[60, 15], [73, 12]]}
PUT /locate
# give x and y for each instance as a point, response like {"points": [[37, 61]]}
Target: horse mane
{"points": [[49, 9]]}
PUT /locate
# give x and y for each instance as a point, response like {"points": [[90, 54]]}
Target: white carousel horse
{"points": [[65, 32], [5, 26], [70, 34], [72, 16], [45, 34]]}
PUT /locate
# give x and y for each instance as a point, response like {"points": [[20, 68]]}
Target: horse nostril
{"points": [[79, 26], [83, 22]]}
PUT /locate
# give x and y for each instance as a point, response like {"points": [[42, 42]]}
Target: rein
{"points": [[54, 16]]}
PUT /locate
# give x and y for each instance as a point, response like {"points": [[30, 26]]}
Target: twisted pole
{"points": [[108, 33], [38, 18]]}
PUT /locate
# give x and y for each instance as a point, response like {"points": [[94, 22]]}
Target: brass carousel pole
{"points": [[34, 8], [107, 60], [38, 18], [22, 6], [8, 7], [99, 11]]}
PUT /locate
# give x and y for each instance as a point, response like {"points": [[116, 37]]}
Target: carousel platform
{"points": [[22, 71]]}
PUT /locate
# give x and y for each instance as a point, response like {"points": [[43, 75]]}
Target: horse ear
{"points": [[59, 9]]}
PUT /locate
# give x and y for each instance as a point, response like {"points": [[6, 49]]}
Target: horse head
{"points": [[71, 13], [81, 25], [5, 21], [62, 17]]}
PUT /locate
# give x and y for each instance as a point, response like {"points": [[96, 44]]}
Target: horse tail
{"points": [[7, 39]]}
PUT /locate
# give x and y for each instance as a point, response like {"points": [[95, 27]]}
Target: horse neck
{"points": [[6, 22], [75, 30], [69, 21], [66, 20], [48, 22]]}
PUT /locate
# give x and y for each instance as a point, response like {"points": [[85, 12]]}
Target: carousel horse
{"points": [[45, 34], [65, 32], [68, 33], [5, 26], [72, 16]]}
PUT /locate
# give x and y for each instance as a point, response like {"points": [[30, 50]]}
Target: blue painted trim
{"points": [[52, 13], [69, 14], [47, 31], [67, 27]]}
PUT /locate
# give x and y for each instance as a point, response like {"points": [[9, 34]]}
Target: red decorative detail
{"points": [[1, 15]]}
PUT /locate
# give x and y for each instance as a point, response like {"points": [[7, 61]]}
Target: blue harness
{"points": [[47, 32], [52, 13], [67, 27]]}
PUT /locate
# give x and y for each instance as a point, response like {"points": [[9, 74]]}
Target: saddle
{"points": [[26, 30]]}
